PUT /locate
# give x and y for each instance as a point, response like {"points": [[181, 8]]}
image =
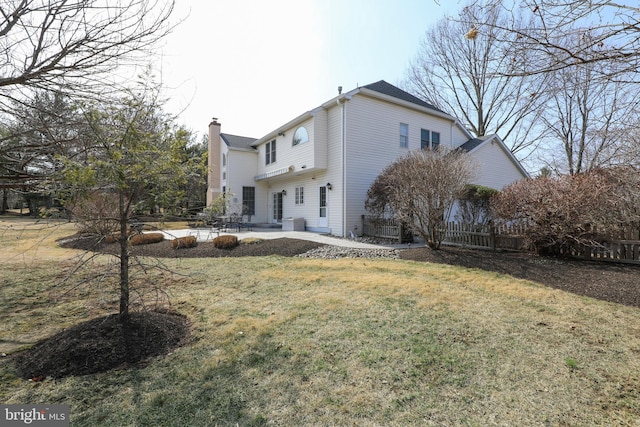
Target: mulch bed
{"points": [[103, 344], [619, 283], [266, 247]]}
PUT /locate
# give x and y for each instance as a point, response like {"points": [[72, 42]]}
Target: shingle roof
{"points": [[391, 90], [474, 142], [236, 141]]}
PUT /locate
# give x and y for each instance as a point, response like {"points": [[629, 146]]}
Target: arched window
{"points": [[300, 136]]}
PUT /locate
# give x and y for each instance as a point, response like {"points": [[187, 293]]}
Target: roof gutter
{"points": [[268, 137], [407, 104]]}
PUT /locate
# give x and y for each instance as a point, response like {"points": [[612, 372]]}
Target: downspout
{"points": [[344, 171], [341, 101], [343, 163], [451, 135]]}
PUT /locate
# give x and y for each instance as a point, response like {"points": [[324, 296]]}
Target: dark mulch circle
{"points": [[103, 344], [107, 343]]}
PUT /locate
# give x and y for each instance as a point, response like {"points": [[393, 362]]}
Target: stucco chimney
{"points": [[213, 183]]}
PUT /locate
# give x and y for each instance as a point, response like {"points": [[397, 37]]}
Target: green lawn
{"points": [[288, 341]]}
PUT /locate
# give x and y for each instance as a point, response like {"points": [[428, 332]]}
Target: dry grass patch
{"points": [[290, 341], [25, 239]]}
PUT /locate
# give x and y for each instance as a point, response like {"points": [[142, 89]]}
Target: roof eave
{"points": [[244, 149], [274, 133], [407, 104]]}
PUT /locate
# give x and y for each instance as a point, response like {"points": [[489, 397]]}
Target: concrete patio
{"points": [[206, 234]]}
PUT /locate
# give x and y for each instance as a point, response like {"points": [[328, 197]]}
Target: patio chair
{"points": [[215, 227], [235, 221]]}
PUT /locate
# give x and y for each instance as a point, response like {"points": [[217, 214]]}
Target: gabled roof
{"points": [[391, 90], [380, 90], [474, 143], [235, 141]]}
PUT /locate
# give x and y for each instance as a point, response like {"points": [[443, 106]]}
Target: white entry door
{"points": [[323, 221]]}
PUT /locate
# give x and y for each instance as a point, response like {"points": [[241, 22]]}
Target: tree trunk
{"points": [[5, 206], [124, 262]]}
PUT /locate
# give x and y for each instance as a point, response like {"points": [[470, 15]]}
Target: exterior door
{"points": [[322, 215], [277, 208]]}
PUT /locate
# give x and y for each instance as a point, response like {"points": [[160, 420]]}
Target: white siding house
{"points": [[320, 165]]}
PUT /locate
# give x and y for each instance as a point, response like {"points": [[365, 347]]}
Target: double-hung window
{"points": [[404, 135], [270, 153], [425, 138], [435, 140], [299, 195], [249, 200], [429, 139]]}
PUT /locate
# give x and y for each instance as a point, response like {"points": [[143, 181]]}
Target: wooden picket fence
{"points": [[503, 237], [625, 251], [385, 229], [484, 237]]}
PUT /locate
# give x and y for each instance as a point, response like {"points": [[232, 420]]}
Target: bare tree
{"points": [[587, 53], [78, 48], [66, 45], [588, 119], [470, 76], [630, 152], [420, 189], [553, 21]]}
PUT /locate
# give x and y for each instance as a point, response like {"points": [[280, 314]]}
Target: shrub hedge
{"points": [[112, 238], [226, 242], [146, 238], [184, 242]]}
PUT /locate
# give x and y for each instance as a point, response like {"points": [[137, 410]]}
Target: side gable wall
{"points": [[495, 168]]}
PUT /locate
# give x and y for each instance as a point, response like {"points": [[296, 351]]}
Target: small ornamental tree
{"points": [[133, 161], [419, 190]]}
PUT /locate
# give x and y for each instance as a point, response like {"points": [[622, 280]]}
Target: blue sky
{"points": [[256, 65]]}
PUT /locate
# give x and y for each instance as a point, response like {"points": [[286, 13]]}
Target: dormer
{"points": [[297, 147]]}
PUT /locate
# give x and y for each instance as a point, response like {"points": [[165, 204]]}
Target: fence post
{"points": [[492, 236]]}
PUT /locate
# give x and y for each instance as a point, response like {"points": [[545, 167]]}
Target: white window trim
{"points": [[404, 138], [299, 195]]}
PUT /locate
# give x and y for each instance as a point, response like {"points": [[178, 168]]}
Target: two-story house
{"points": [[320, 165]]}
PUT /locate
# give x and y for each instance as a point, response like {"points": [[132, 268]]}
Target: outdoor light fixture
{"points": [[329, 186], [284, 192], [280, 133]]}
